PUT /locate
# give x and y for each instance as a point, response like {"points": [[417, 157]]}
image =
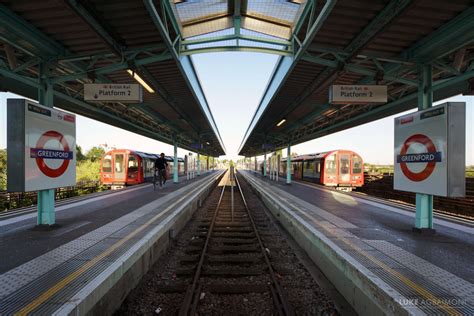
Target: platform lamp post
{"points": [[424, 202], [288, 164], [175, 161], [46, 215]]}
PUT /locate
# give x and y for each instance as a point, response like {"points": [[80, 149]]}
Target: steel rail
{"points": [[192, 296], [279, 296], [191, 291]]}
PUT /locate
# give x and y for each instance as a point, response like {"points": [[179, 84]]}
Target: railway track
{"points": [[230, 259], [232, 239]]}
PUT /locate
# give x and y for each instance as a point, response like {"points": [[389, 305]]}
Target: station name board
{"points": [[345, 94], [430, 151], [41, 147], [126, 93]]}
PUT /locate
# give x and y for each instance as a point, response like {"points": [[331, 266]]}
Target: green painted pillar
{"points": [[265, 164], [288, 164], [46, 211], [175, 163], [198, 164], [424, 202]]}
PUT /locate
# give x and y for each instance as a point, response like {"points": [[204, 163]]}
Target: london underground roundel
{"points": [[430, 157], [40, 153]]}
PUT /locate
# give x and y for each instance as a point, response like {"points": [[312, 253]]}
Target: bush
{"points": [[88, 170]]}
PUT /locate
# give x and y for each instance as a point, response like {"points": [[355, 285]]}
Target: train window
{"points": [[107, 163], [331, 164], [317, 170], [132, 164], [308, 170], [118, 163], [356, 164], [345, 164]]}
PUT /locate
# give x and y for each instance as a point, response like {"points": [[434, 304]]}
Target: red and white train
{"points": [[343, 169], [123, 167]]}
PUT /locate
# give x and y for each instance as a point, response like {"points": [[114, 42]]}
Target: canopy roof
{"points": [[391, 43], [69, 43]]}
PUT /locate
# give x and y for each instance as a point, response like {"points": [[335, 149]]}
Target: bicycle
{"points": [[158, 176]]}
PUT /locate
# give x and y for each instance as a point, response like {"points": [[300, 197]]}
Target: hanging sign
{"points": [[345, 94], [41, 147], [110, 92], [430, 151]]}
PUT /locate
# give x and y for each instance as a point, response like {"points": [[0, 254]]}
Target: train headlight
{"points": [[356, 177]]}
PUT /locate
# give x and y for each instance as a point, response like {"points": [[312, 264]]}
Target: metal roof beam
{"points": [[283, 69], [25, 32], [187, 69], [96, 25], [355, 68], [113, 67], [388, 13], [453, 35]]}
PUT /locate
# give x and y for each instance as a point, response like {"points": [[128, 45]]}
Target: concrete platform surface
{"points": [[44, 272], [374, 244]]}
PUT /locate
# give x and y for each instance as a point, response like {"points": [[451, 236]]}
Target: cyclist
{"points": [[160, 168]]}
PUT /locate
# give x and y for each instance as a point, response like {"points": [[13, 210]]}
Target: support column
{"points": [[198, 164], [288, 164], [46, 211], [424, 202], [175, 163], [265, 164]]}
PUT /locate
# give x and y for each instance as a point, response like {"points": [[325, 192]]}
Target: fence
{"points": [[12, 200], [382, 186]]}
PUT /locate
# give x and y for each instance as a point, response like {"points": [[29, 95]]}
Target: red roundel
{"points": [[52, 173], [430, 147]]}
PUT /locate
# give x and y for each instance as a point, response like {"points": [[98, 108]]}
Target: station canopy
{"points": [[394, 43], [67, 43]]}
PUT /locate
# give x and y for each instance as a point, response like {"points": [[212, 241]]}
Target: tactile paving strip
{"points": [[439, 276], [21, 285], [392, 265]]}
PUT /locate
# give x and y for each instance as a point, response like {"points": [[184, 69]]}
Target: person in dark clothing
{"points": [[160, 168]]}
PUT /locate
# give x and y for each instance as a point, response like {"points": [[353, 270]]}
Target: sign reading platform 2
{"points": [[430, 151], [345, 94], [127, 93], [41, 147]]}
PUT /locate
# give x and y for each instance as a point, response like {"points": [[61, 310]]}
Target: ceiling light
{"points": [[208, 143], [281, 122], [140, 81]]}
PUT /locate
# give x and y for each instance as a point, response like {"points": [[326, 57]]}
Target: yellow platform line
{"points": [[71, 277], [419, 289]]}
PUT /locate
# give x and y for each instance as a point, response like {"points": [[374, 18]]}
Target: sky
{"points": [[234, 83]]}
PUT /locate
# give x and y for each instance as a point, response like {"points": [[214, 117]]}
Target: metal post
{"points": [[175, 163], [288, 164], [198, 164], [46, 215], [265, 164], [424, 202], [232, 191]]}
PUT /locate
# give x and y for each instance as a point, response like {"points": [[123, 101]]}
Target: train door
{"points": [[133, 174], [119, 167], [344, 168]]}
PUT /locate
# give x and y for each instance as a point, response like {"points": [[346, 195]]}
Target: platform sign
{"points": [[41, 147], [126, 93], [430, 151], [346, 94]]}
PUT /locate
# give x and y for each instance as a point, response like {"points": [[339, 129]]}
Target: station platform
{"points": [[99, 245], [370, 253]]}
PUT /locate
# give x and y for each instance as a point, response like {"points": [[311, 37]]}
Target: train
{"points": [[125, 167], [341, 169]]}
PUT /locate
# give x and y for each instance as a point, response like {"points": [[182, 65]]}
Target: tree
{"points": [[95, 153], [3, 169], [79, 155]]}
